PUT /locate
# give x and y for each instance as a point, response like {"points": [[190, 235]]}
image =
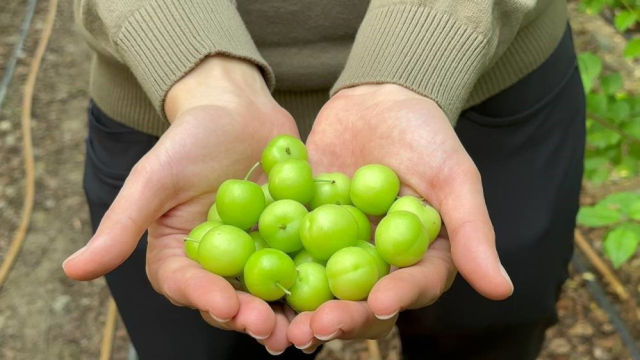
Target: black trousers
{"points": [[528, 143]]}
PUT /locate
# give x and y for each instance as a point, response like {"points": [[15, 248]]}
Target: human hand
{"points": [[391, 125], [222, 116]]}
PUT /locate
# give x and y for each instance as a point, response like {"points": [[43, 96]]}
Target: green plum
{"points": [[328, 229], [364, 225], [311, 288], [240, 203], [429, 216], [303, 256], [383, 267], [352, 273], [192, 241], [280, 223], [374, 188], [281, 148], [258, 240], [268, 199], [225, 249], [269, 274], [292, 179], [212, 215], [331, 188], [401, 239]]}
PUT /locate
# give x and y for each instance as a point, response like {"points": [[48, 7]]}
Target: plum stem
{"points": [[252, 170], [324, 181], [283, 288], [189, 239]]}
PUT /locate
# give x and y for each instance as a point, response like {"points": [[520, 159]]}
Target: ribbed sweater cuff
{"points": [[425, 51], [164, 40]]}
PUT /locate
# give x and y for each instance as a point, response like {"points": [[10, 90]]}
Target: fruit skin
{"points": [[240, 203], [266, 268], [401, 239], [429, 216], [328, 229], [192, 242], [212, 215], [281, 148], [258, 241], [279, 225], [374, 188], [364, 225], [292, 179], [383, 267], [334, 192], [303, 256], [352, 273], [311, 288], [267, 196], [225, 249]]}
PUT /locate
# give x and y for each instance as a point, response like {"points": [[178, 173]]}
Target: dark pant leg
{"points": [[158, 329], [528, 143]]}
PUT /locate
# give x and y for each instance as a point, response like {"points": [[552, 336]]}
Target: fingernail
{"points": [[387, 317], [303, 347], [327, 337], [218, 319], [274, 353], [506, 276], [75, 254], [256, 336], [309, 351]]}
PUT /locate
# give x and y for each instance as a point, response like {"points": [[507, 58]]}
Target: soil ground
{"points": [[44, 315]]}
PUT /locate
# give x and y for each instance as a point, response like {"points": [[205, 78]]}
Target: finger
{"points": [[185, 283], [143, 199], [254, 317], [299, 332], [464, 213], [414, 286], [278, 342], [338, 319]]}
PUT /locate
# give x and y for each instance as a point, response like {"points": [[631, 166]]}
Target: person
{"points": [[477, 105]]}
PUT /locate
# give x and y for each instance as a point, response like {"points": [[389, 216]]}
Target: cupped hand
{"points": [[222, 116], [391, 125]]}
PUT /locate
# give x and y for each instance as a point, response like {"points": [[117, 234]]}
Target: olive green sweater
{"points": [[456, 52]]}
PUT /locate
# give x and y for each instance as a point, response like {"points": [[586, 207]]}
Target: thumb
{"points": [[462, 206], [142, 199]]}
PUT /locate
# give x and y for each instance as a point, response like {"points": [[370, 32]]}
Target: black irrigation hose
{"points": [[601, 298], [13, 60]]}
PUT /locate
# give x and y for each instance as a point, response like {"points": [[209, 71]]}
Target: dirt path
{"points": [[43, 315]]}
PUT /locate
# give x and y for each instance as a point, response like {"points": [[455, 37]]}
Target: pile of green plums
{"points": [[308, 239]]}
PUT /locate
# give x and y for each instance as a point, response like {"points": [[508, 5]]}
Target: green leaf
{"points": [[632, 128], [619, 111], [634, 211], [611, 83], [620, 245], [632, 50], [598, 176], [592, 6], [634, 228], [620, 201], [627, 167], [597, 216], [590, 67], [624, 20], [594, 162], [597, 103], [600, 137]]}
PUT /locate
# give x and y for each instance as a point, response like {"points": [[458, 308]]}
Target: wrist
{"points": [[216, 80]]}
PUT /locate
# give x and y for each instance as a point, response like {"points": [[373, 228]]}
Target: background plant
{"points": [[613, 136]]}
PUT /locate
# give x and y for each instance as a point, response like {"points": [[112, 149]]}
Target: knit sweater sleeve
{"points": [[161, 40], [437, 48]]}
